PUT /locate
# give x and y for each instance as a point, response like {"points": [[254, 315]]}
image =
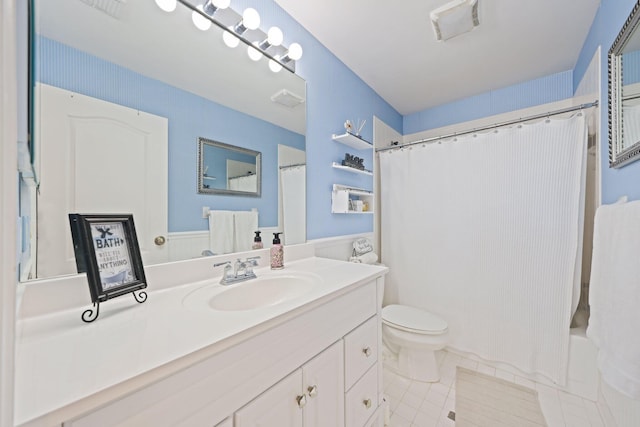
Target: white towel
{"points": [[246, 223], [614, 295], [221, 232]]}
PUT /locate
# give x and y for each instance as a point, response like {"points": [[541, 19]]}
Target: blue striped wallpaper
{"points": [[535, 92]]}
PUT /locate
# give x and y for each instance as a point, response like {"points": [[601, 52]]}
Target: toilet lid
{"points": [[413, 319]]}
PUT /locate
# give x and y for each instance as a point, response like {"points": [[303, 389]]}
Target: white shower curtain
{"points": [[294, 213], [484, 230]]}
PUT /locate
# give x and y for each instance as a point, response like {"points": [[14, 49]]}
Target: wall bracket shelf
{"points": [[350, 169], [352, 141]]}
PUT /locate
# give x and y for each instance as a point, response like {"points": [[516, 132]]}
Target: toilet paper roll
{"points": [[368, 258]]}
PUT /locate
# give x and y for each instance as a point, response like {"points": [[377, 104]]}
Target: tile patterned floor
{"points": [[416, 404]]}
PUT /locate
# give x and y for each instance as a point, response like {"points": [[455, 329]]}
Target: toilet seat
{"points": [[413, 319]]}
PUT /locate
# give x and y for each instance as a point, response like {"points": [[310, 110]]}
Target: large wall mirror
{"points": [[120, 98], [624, 93], [227, 169]]}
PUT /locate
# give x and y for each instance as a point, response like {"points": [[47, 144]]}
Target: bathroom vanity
{"points": [[292, 356]]}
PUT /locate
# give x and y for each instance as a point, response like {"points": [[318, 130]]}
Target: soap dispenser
{"points": [[277, 253], [257, 241]]}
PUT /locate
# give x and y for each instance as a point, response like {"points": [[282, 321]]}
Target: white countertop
{"points": [[61, 360]]}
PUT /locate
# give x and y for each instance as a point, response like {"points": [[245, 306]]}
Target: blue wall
{"points": [[334, 94], [535, 92], [610, 18], [189, 118]]}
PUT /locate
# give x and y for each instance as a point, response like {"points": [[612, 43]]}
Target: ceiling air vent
{"points": [[286, 98], [113, 8], [455, 18]]}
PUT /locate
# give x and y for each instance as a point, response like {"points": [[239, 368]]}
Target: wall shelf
{"points": [[345, 198], [352, 141], [352, 170]]}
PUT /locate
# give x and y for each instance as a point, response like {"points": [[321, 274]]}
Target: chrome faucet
{"points": [[239, 272]]}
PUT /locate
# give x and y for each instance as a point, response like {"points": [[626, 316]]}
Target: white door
{"points": [[323, 381], [94, 156], [280, 406]]}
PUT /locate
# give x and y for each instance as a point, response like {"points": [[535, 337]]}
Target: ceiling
{"points": [[393, 49]]}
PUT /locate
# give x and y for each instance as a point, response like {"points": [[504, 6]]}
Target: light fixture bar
{"points": [[227, 19]]}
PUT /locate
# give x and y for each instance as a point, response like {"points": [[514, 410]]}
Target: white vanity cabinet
{"points": [[318, 365], [311, 396]]}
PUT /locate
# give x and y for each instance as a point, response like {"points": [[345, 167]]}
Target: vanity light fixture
{"points": [[238, 28], [229, 39], [167, 5], [293, 54], [454, 18], [254, 53], [274, 38], [209, 8], [274, 65], [250, 21]]}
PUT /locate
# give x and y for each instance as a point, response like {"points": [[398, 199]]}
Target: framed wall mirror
{"points": [[131, 89], [227, 169], [624, 93]]}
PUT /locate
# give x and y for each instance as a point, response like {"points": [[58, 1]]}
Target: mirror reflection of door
{"points": [[97, 157], [291, 194]]}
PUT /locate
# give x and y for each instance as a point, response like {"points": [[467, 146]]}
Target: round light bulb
{"points": [[167, 5], [229, 39], [274, 36], [295, 51], [254, 53], [274, 66], [200, 21], [221, 4], [251, 18]]}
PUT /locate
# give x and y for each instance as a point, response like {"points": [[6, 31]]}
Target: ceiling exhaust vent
{"points": [[286, 98], [455, 18], [113, 8]]}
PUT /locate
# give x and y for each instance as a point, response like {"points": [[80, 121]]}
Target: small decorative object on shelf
{"points": [[350, 200], [106, 248], [353, 162], [348, 126]]}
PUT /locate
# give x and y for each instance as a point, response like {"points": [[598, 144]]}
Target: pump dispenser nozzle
{"points": [[257, 241]]}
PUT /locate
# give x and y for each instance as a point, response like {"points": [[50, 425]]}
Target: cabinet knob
{"points": [[159, 240], [367, 351], [302, 400], [313, 391], [367, 403]]}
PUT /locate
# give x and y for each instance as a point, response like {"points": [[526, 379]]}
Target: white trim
{"points": [[8, 204]]}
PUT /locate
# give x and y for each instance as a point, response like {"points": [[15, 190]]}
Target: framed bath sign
{"points": [[106, 248]]}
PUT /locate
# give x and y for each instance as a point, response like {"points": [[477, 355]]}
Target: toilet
{"points": [[411, 337]]}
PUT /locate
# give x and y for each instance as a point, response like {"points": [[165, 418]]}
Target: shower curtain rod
{"points": [[494, 126]]}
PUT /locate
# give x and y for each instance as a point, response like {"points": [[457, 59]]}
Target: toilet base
{"points": [[417, 365]]}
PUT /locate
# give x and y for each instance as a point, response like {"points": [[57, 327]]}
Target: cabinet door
{"points": [[323, 382], [276, 407]]}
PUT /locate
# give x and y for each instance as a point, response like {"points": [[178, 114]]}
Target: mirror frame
{"points": [[618, 154], [202, 142]]}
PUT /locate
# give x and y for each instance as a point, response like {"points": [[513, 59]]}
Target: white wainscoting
{"points": [[187, 245], [339, 247], [190, 244]]}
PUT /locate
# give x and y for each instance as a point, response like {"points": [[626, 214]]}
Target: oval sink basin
{"points": [[269, 290], [261, 292]]}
